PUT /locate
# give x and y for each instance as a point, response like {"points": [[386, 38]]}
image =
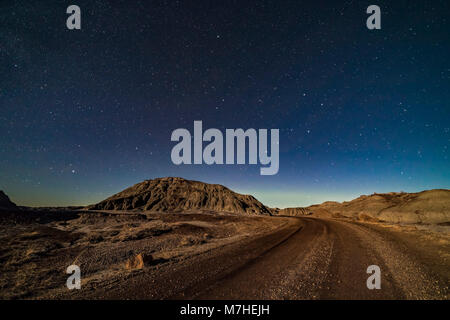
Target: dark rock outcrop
{"points": [[5, 202]]}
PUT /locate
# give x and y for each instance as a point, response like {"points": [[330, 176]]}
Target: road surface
{"points": [[309, 258]]}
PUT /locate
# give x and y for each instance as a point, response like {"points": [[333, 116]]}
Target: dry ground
{"points": [[37, 247], [198, 255]]}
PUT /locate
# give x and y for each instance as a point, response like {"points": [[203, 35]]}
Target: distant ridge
{"points": [[173, 194], [428, 207], [298, 211]]}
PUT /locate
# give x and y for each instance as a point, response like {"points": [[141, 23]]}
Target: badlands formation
{"points": [[180, 195]]}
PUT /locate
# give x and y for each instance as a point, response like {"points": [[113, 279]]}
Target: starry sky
{"points": [[86, 113]]}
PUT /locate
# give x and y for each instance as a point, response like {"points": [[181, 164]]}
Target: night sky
{"points": [[86, 113]]}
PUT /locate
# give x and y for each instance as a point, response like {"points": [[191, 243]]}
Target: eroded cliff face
{"points": [[178, 194], [299, 211]]}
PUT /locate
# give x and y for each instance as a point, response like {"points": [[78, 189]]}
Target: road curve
{"points": [[310, 258]]}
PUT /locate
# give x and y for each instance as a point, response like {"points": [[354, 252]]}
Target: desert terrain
{"points": [[172, 238]]}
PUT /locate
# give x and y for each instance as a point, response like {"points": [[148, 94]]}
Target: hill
{"points": [[178, 194]]}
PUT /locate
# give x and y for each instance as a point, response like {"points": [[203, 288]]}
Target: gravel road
{"points": [[309, 258]]}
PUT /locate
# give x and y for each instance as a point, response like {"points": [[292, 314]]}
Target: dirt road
{"points": [[309, 258]]}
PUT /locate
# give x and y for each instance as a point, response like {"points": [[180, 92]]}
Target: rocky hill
{"points": [[5, 202], [429, 207], [178, 194]]}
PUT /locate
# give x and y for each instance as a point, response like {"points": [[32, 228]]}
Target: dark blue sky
{"points": [[86, 113]]}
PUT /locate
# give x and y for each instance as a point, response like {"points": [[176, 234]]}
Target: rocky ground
{"points": [[38, 246]]}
